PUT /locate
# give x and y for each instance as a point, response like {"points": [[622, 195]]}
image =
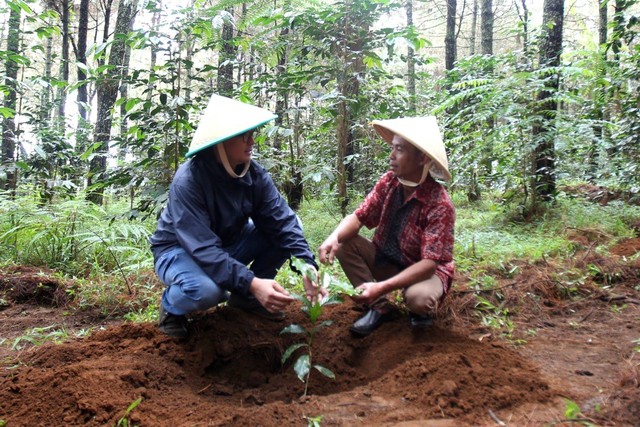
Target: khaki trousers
{"points": [[357, 258]]}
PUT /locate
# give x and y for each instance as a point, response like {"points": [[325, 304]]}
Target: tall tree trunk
{"points": [[450, 37], [81, 56], [10, 102], [46, 95], [618, 29], [155, 23], [486, 16], [355, 26], [474, 27], [82, 100], [64, 63], [543, 128], [411, 62], [524, 18], [485, 170], [599, 101], [107, 95], [226, 58]]}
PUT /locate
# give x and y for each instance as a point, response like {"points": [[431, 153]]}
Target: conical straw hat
{"points": [[225, 118], [424, 134]]}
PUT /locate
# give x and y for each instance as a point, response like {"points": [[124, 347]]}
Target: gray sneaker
{"points": [[172, 324]]}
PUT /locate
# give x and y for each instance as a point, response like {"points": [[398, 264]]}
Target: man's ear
{"points": [[425, 159]]}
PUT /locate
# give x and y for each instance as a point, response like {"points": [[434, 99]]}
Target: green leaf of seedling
{"points": [[336, 286], [324, 371], [326, 280], [325, 323], [331, 299], [294, 329], [315, 311], [302, 367], [299, 297], [572, 410], [290, 350], [305, 269]]}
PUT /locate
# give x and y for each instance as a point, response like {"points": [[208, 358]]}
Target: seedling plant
{"points": [[313, 309]]}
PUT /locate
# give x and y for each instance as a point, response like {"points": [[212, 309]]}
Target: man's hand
{"points": [[328, 249], [347, 229], [311, 287], [270, 294], [369, 292]]}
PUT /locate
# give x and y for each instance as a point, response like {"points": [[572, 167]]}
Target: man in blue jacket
{"points": [[224, 213]]}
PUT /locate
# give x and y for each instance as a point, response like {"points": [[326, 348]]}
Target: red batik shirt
{"points": [[426, 224]]}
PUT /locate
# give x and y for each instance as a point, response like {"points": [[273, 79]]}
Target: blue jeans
{"points": [[190, 289]]}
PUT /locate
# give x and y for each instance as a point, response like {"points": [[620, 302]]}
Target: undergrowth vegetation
{"points": [[107, 256]]}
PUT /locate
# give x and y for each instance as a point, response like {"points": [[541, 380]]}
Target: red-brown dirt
{"points": [[568, 344]]}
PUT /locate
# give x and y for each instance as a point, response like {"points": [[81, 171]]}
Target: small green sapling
{"points": [[313, 309]]}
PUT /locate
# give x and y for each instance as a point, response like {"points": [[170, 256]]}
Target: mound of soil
{"points": [[568, 345], [229, 373]]}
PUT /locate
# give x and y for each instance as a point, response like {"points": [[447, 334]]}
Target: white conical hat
{"points": [[225, 118], [424, 134]]}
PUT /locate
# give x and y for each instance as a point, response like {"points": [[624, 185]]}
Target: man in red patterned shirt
{"points": [[413, 217]]}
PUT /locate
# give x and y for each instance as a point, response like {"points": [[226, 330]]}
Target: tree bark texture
{"points": [[599, 104], [81, 56], [10, 100], [524, 18], [411, 62], [355, 26], [543, 128], [107, 92], [486, 19], [64, 63], [226, 58], [450, 37], [474, 26]]}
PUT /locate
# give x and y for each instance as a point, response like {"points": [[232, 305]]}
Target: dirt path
{"points": [[229, 372]]}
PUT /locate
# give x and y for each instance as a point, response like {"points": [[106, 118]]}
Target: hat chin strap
{"points": [[425, 172], [227, 166]]}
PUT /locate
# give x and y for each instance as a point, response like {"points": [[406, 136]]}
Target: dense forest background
{"points": [[100, 98]]}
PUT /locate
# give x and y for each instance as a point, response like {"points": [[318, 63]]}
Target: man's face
{"points": [[406, 161], [239, 148]]}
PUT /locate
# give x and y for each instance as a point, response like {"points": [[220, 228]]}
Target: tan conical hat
{"points": [[225, 118], [424, 134]]}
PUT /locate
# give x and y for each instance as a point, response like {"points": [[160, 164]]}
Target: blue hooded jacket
{"points": [[207, 209]]}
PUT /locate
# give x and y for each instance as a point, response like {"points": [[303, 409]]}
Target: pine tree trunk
{"points": [[226, 58], [474, 26], [600, 103], [486, 18], [64, 64], [450, 37], [411, 62], [107, 96], [354, 28], [543, 134], [10, 101], [81, 56]]}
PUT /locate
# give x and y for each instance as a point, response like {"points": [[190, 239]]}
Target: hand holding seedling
{"points": [[314, 292], [270, 294]]}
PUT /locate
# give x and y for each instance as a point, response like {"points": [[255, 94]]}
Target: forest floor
{"points": [[567, 354]]}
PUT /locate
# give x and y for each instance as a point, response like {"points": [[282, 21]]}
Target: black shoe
{"points": [[420, 322], [369, 322], [172, 324], [254, 307]]}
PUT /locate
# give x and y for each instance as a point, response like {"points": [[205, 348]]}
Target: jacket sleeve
{"points": [[277, 220], [194, 234]]}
